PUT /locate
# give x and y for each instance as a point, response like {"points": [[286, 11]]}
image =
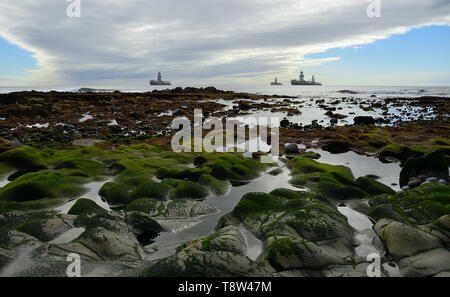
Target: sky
{"points": [[126, 43]]}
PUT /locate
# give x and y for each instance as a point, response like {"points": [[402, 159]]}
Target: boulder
{"points": [[337, 146], [291, 148], [364, 120], [429, 263], [404, 240], [432, 164]]}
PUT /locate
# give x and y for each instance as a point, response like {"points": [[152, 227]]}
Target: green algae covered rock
{"points": [[192, 174], [233, 167], [116, 194], [432, 164], [42, 184], [421, 205], [151, 189], [87, 167], [373, 187], [40, 204], [85, 206], [401, 152], [133, 177], [186, 189], [283, 211], [302, 165], [217, 187], [23, 158], [336, 186]]}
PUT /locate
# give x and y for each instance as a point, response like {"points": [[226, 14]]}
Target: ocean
{"points": [[288, 90]]}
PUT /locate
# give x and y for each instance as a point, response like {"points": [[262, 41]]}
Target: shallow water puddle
{"points": [[360, 165], [167, 241]]}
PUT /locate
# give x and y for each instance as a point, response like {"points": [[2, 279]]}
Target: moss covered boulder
{"points": [[151, 189], [217, 187], [133, 178], [421, 205], [85, 206], [336, 186], [372, 187], [185, 189], [237, 168], [400, 152], [116, 194], [23, 158], [42, 184], [432, 164], [83, 167], [301, 230]]}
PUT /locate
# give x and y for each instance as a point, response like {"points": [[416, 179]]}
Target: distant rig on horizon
{"points": [[299, 82]]}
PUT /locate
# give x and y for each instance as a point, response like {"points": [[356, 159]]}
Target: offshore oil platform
{"points": [[159, 81], [302, 82]]}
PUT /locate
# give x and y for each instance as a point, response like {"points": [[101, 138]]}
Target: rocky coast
{"points": [[93, 174]]}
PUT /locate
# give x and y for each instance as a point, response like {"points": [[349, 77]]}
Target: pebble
{"points": [[405, 188], [414, 182], [443, 181], [432, 179]]}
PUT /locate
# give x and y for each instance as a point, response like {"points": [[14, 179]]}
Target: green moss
{"points": [[144, 165], [88, 167], [236, 168], [188, 189], [151, 189], [431, 164], [302, 165], [336, 186], [46, 203], [42, 184], [85, 206], [23, 158], [422, 205], [401, 152], [5, 170], [217, 187], [373, 187], [116, 194], [133, 178]]}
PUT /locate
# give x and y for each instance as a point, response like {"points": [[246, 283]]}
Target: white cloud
{"points": [[197, 39]]}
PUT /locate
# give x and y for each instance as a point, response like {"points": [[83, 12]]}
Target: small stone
{"points": [[414, 182], [432, 179], [442, 181], [405, 188], [291, 149]]}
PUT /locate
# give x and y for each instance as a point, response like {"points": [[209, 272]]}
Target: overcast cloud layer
{"points": [[198, 39]]}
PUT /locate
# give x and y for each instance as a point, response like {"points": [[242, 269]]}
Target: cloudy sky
{"points": [[125, 42]]}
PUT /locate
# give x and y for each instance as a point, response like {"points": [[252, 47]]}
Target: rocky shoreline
{"points": [[87, 185]]}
